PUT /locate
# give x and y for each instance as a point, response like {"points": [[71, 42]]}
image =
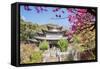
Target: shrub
{"points": [[36, 57], [44, 45], [63, 44], [26, 50]]}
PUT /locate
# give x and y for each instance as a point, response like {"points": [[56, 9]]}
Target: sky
{"points": [[44, 17]]}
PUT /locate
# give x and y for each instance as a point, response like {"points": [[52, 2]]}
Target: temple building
{"points": [[52, 35]]}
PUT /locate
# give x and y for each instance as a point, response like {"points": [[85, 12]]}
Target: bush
{"points": [[26, 50], [44, 45], [63, 44], [36, 57]]}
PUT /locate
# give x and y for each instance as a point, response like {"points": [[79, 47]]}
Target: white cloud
{"points": [[23, 17]]}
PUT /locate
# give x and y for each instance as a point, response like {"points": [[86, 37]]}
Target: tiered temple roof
{"points": [[54, 33]]}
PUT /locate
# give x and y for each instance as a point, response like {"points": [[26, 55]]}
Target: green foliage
{"points": [[76, 39], [44, 45], [63, 44], [28, 29], [36, 57]]}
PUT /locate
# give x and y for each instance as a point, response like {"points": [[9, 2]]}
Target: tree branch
{"points": [[60, 18]]}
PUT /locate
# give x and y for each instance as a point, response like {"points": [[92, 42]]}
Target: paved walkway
{"points": [[51, 55], [54, 54]]}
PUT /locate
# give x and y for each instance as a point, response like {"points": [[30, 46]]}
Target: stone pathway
{"points": [[54, 55], [51, 55]]}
